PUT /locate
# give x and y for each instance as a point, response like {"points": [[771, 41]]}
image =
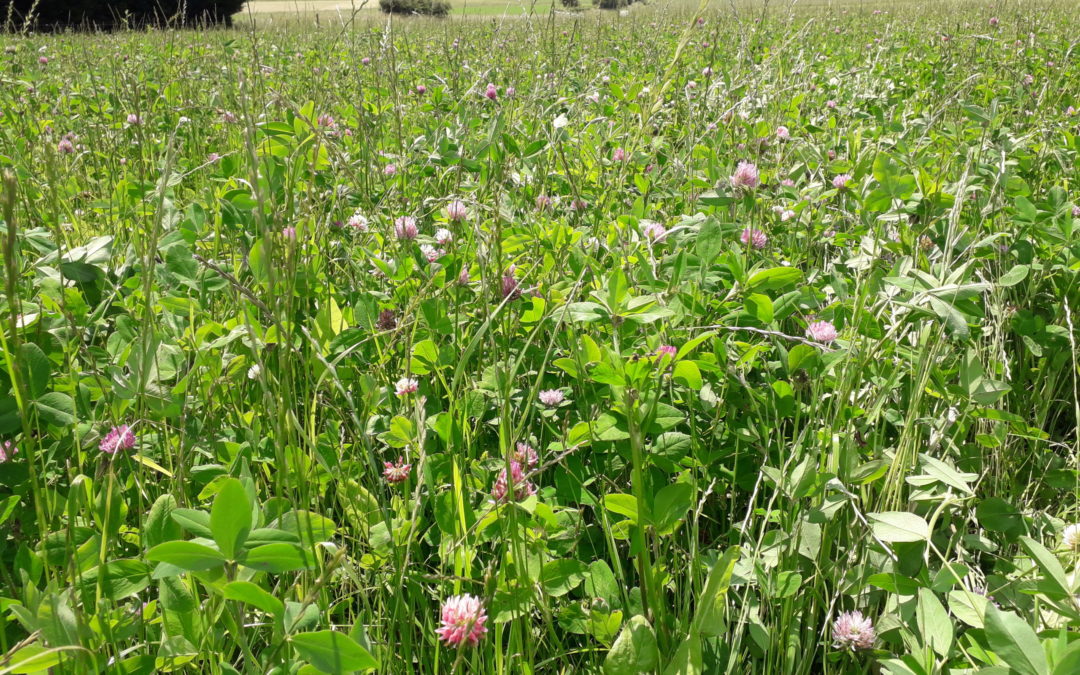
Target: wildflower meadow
{"points": [[672, 339]]}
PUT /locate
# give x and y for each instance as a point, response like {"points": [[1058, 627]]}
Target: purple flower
{"points": [[456, 211], [525, 454], [841, 182], [431, 253], [516, 483], [852, 631], [7, 451], [133, 119], [390, 170], [821, 331], [289, 233], [405, 228], [358, 222], [782, 133], [463, 618], [551, 397], [653, 230], [510, 287], [118, 438], [65, 146], [444, 236], [755, 238], [387, 320], [365, 61], [745, 176], [491, 92], [421, 89], [396, 472], [619, 155], [666, 351], [406, 386]]}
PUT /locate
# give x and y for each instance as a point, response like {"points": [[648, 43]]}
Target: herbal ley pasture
{"points": [[742, 341]]}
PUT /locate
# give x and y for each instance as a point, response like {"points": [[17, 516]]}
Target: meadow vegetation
{"points": [[740, 339]]}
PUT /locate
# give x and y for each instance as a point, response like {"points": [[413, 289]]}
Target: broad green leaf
{"points": [[1050, 566], [773, 279], [333, 652], [899, 526], [559, 577], [1015, 642], [670, 506], [118, 579], [160, 525], [688, 373], [194, 521], [934, 624], [35, 369], [997, 515], [969, 607], [277, 558], [230, 517], [56, 408], [635, 649], [251, 594], [186, 555], [709, 619], [622, 504], [687, 659]]}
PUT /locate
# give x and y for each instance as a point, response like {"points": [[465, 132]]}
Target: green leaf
{"points": [[277, 558], [670, 506], [32, 659], [119, 579], [934, 623], [251, 594], [1015, 642], [160, 526], [899, 526], [688, 373], [194, 521], [333, 652], [187, 555], [710, 241], [310, 527], [1014, 276], [56, 408], [635, 649], [969, 607], [1053, 572], [559, 577], [622, 504], [687, 660], [708, 620], [35, 369], [230, 517], [773, 279], [601, 583], [401, 432], [997, 515]]}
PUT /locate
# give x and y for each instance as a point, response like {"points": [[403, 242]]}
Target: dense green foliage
{"points": [[421, 7], [786, 306]]}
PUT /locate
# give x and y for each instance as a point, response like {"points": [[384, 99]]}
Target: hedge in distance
{"points": [[48, 14], [425, 7]]}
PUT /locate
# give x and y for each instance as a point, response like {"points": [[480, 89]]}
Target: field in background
{"points": [[648, 344]]}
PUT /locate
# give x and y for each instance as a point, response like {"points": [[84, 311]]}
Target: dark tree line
{"points": [[46, 14]]}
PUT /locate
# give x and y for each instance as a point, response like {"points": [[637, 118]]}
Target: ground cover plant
{"points": [[735, 339]]}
